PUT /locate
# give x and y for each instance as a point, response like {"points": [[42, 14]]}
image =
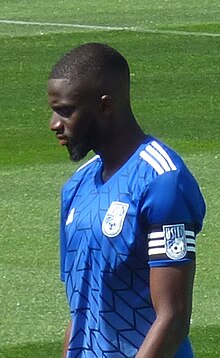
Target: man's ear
{"points": [[107, 104]]}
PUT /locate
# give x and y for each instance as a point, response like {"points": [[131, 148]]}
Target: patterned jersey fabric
{"points": [[146, 215]]}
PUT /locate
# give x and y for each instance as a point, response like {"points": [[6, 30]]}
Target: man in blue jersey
{"points": [[129, 218]]}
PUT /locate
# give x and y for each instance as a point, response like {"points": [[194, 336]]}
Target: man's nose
{"points": [[55, 122]]}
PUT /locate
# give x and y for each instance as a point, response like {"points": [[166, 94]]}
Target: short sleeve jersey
{"points": [[146, 215]]}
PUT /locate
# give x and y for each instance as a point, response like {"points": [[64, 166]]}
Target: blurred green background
{"points": [[175, 96]]}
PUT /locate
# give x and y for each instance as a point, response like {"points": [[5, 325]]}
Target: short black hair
{"points": [[91, 61]]}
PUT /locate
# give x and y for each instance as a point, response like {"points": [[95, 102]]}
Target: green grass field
{"points": [[175, 94]]}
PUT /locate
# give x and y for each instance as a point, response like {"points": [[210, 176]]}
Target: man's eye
{"points": [[65, 112]]}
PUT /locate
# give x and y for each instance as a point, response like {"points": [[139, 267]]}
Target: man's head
{"points": [[87, 88]]}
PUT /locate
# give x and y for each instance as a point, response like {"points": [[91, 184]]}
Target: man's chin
{"points": [[76, 158], [77, 153]]}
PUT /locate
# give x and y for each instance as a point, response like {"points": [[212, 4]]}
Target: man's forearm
{"points": [[163, 339]]}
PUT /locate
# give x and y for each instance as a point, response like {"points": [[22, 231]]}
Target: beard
{"points": [[77, 151]]}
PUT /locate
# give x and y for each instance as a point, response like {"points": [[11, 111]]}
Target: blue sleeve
{"points": [[63, 217], [67, 194], [173, 212]]}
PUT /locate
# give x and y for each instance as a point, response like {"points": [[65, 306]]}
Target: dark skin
{"points": [[107, 137], [171, 292], [84, 120]]}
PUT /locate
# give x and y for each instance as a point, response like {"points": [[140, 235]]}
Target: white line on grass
{"points": [[111, 28]]}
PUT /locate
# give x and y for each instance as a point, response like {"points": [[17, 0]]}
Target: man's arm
{"points": [[171, 291], [67, 339]]}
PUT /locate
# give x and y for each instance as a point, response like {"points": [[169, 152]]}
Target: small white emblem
{"points": [[175, 241], [114, 218], [70, 216]]}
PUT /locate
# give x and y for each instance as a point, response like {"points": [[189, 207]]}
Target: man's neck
{"points": [[119, 149]]}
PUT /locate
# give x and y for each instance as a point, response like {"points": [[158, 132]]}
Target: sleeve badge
{"points": [[175, 241]]}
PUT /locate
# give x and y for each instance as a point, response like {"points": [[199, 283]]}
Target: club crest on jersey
{"points": [[175, 241], [114, 218]]}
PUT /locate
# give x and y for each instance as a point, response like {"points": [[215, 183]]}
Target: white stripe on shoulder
{"points": [[157, 155], [88, 162], [152, 162], [164, 154]]}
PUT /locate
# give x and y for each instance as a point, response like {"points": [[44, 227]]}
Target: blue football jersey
{"points": [[146, 215]]}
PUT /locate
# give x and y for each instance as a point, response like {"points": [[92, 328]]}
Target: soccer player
{"points": [[129, 218]]}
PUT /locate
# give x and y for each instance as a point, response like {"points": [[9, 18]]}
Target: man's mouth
{"points": [[62, 140]]}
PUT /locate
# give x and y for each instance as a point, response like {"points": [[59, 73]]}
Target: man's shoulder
{"points": [[158, 158], [88, 165], [85, 169]]}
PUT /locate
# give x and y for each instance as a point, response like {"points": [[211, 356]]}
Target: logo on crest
{"points": [[114, 218], [175, 241]]}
